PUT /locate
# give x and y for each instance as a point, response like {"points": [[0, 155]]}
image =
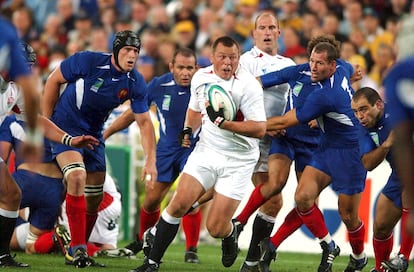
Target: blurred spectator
{"points": [[52, 34], [41, 9], [310, 21], [74, 46], [330, 25], [8, 8], [166, 49], [184, 34], [185, 10], [383, 60], [246, 15], [56, 55], [65, 10], [352, 17], [108, 18], [357, 37], [319, 7], [99, 40], [371, 24], [139, 15], [289, 15], [158, 18], [206, 19], [148, 54], [348, 49], [220, 7], [291, 42], [228, 24], [22, 19], [366, 81], [83, 28]]}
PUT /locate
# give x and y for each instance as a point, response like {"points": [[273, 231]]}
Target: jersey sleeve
{"points": [[282, 76], [316, 104], [76, 66], [139, 100], [365, 142]]}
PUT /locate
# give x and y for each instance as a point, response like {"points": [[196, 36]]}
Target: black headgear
{"points": [[29, 53], [125, 38]]}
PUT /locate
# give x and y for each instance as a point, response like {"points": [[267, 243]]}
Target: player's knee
{"points": [[74, 173]]}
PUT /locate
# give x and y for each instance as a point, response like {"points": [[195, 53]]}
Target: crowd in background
{"points": [[57, 29]]}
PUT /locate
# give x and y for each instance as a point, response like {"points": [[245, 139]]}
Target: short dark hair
{"points": [[369, 93], [227, 41], [330, 49], [184, 51], [323, 38]]}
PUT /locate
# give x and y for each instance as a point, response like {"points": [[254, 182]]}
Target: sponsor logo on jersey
{"points": [[98, 84], [166, 102], [297, 88]]}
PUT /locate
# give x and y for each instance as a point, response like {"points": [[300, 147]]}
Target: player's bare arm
{"points": [[51, 92], [149, 170], [282, 122], [247, 128], [375, 157], [121, 122]]}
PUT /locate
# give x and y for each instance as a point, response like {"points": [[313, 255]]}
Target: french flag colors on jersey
{"points": [[94, 89]]}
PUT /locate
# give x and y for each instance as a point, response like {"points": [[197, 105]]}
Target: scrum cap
{"points": [[122, 39], [29, 53]]}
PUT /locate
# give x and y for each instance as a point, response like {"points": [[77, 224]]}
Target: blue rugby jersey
{"points": [[94, 89], [330, 104], [399, 91], [171, 100], [12, 61]]}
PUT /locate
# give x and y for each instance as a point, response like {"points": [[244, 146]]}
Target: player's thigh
{"points": [[279, 168], [188, 191], [10, 193], [386, 216]]}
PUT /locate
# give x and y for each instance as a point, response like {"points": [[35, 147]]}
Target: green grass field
{"points": [[210, 260]]}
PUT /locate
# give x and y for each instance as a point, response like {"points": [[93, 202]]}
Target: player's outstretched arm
{"points": [[282, 122], [54, 133]]}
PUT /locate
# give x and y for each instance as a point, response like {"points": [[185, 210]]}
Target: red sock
{"points": [[382, 250], [44, 243], [191, 226], [255, 201], [290, 225], [76, 210], [146, 221], [356, 239], [313, 219], [90, 223], [91, 248], [407, 240]]}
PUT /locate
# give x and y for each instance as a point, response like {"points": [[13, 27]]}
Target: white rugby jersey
{"points": [[247, 95], [259, 63], [11, 100]]}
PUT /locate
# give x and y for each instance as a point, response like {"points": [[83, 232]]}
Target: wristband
{"points": [[34, 137], [67, 139]]}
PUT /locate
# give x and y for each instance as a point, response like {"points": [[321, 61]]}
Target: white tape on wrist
{"points": [[147, 177], [67, 139]]}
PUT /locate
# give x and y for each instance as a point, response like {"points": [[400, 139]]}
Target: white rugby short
{"points": [[229, 174]]}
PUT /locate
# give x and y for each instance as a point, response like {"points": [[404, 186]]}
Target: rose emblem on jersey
{"points": [[122, 94], [10, 101]]}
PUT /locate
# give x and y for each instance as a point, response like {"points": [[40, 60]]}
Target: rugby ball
{"points": [[219, 98]]}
